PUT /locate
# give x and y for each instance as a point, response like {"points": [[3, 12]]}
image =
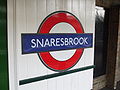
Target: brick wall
{"points": [[99, 82]]}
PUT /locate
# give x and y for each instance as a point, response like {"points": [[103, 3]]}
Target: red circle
{"points": [[46, 26]]}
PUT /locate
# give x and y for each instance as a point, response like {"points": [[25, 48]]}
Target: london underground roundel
{"points": [[59, 42], [46, 26]]}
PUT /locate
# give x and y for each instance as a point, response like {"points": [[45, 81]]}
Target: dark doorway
{"points": [[101, 35]]}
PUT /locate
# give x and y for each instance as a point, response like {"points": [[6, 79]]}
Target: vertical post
{"points": [[117, 73], [112, 46]]}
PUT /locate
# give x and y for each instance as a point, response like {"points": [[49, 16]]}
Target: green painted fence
{"points": [[3, 46]]}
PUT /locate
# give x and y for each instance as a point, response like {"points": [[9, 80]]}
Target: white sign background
{"points": [[25, 16]]}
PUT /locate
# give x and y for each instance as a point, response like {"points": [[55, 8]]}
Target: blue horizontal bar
{"points": [[34, 43]]}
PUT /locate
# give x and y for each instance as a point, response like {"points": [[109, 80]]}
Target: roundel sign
{"points": [[59, 42], [50, 22]]}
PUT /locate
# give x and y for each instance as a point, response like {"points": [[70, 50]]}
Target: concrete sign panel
{"points": [[51, 44]]}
